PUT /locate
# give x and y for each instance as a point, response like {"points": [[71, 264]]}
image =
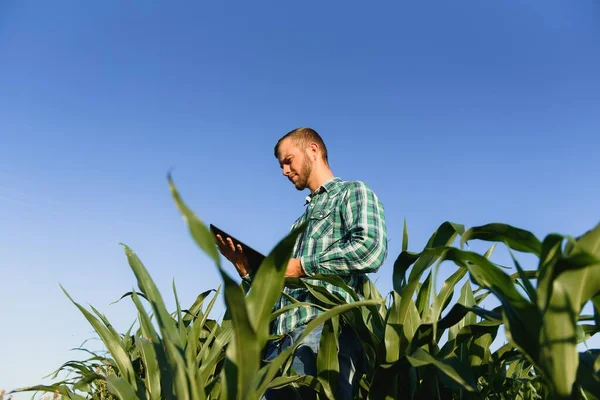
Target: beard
{"points": [[302, 177]]}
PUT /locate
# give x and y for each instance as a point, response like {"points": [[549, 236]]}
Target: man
{"points": [[345, 236]]}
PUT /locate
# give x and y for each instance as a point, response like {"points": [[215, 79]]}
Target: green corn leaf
{"points": [[128, 294], [111, 342], [393, 330], [458, 312], [423, 299], [151, 367], [328, 368], [481, 297], [467, 334], [334, 280], [374, 316], [83, 367], [243, 353], [559, 341], [267, 284], [198, 230], [551, 254], [412, 321], [393, 381], [120, 388], [522, 318], [404, 261], [485, 273], [371, 339], [395, 339], [298, 381], [479, 349], [489, 251], [443, 236], [531, 293], [297, 304], [198, 325], [213, 355], [445, 294], [515, 238], [164, 369], [579, 272], [322, 295], [58, 387], [106, 323], [170, 336], [451, 367], [195, 310], [179, 314], [423, 335], [585, 332], [587, 372], [201, 355], [405, 237], [596, 302], [83, 384], [466, 299]]}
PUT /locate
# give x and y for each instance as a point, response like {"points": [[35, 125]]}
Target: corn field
{"points": [[418, 342]]}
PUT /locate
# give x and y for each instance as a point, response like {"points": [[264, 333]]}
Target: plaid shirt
{"points": [[345, 236]]}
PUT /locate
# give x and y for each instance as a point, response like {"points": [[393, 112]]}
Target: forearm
{"points": [[358, 254]]}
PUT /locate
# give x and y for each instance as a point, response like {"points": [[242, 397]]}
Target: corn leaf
{"points": [[515, 238], [112, 343], [559, 341], [120, 388], [451, 367], [328, 368], [170, 336]]}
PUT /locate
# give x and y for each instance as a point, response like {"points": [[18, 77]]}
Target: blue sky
{"points": [[470, 111]]}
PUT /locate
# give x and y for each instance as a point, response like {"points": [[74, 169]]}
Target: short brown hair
{"points": [[301, 137]]}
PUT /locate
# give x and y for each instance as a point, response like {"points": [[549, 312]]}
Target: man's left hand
{"points": [[294, 269]]}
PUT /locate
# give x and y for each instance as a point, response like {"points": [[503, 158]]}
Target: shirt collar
{"points": [[332, 186]]}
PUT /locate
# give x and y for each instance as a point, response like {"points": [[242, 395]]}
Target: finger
{"points": [[231, 245], [225, 249], [220, 242], [239, 247]]}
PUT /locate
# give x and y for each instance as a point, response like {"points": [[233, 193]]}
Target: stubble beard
{"points": [[306, 170]]}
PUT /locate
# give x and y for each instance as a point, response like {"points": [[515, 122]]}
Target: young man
{"points": [[345, 236]]}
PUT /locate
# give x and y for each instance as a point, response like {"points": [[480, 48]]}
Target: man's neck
{"points": [[319, 179]]}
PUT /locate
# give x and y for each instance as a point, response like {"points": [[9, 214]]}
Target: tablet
{"points": [[255, 258]]}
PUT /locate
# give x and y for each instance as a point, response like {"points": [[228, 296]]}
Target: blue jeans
{"points": [[305, 361]]}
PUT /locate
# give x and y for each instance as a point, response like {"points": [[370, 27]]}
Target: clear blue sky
{"points": [[470, 111]]}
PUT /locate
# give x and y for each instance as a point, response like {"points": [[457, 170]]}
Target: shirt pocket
{"points": [[321, 223]]}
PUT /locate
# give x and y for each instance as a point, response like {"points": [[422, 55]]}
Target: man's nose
{"points": [[285, 170]]}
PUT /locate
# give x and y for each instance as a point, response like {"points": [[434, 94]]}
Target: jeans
{"points": [[305, 362]]}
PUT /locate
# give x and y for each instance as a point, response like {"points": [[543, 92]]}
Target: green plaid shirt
{"points": [[345, 236]]}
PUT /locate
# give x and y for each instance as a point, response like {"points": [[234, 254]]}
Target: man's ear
{"points": [[314, 150]]}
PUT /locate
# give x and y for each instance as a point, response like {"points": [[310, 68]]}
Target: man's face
{"points": [[295, 163]]}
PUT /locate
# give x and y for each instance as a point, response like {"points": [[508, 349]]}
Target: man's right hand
{"points": [[234, 254]]}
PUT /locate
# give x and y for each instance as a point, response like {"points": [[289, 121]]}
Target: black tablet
{"points": [[255, 258]]}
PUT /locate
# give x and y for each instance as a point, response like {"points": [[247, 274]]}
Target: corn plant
{"points": [[417, 342]]}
